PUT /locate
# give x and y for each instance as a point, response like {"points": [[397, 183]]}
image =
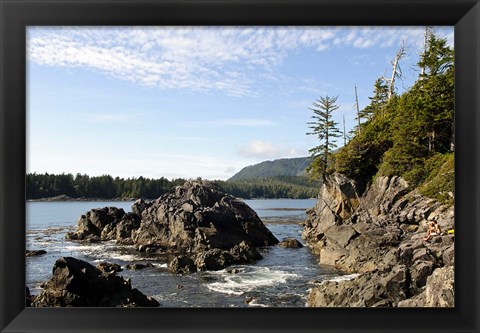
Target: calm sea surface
{"points": [[281, 279]]}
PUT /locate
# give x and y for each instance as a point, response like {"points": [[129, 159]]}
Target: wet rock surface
{"points": [[290, 243], [34, 253], [196, 222], [76, 283], [379, 235]]}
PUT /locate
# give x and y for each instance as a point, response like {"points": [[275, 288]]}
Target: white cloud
{"points": [[263, 150], [198, 58]]}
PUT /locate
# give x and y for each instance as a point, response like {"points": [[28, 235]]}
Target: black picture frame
{"points": [[17, 14]]}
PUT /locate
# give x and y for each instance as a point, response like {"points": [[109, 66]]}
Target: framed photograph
{"points": [[239, 166]]}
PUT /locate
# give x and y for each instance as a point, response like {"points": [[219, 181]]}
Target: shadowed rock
{"points": [[197, 220], [34, 253], [291, 243], [76, 283]]}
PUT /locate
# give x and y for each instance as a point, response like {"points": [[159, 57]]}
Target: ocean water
{"points": [[281, 279]]}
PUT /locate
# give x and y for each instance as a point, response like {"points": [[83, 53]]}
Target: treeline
{"points": [[409, 135], [293, 187], [105, 187], [39, 186]]}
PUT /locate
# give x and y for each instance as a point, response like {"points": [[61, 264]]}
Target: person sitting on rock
{"points": [[433, 230]]}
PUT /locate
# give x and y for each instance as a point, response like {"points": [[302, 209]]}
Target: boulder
{"points": [[213, 260], [197, 220], [34, 253], [94, 221], [182, 265], [138, 266], [76, 283], [244, 253], [107, 267], [291, 243]]}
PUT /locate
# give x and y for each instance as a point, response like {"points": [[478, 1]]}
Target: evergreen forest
{"points": [[409, 135]]}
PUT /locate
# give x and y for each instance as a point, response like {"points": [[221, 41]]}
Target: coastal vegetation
{"points": [[409, 135], [39, 186]]}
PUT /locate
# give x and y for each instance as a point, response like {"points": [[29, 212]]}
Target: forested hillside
{"points": [[272, 187], [409, 135], [280, 167]]}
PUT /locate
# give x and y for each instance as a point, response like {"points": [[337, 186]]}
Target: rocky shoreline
{"points": [[195, 226], [379, 235], [66, 198]]}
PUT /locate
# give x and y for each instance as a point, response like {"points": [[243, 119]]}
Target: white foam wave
{"points": [[259, 305], [244, 281], [164, 265]]}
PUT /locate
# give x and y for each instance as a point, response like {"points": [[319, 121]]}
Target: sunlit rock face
{"points": [[379, 235]]}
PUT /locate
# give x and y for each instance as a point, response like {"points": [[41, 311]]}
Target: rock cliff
{"points": [[200, 226], [379, 235]]}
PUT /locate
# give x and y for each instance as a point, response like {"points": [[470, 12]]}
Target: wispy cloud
{"points": [[197, 58], [264, 149]]}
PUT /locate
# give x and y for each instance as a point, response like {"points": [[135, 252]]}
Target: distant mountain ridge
{"points": [[281, 167]]}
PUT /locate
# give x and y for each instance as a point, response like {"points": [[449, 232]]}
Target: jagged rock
{"points": [[244, 253], [107, 267], [382, 238], [419, 273], [213, 260], [369, 289], [197, 220], [341, 234], [449, 256], [337, 200], [34, 253], [138, 266], [77, 283], [291, 243], [182, 265], [440, 288], [94, 221]]}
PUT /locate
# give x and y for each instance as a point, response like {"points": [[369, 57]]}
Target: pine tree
{"points": [[436, 94], [326, 130], [377, 101]]}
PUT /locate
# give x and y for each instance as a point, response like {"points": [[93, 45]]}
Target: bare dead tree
{"points": [[396, 71], [426, 36], [358, 110]]}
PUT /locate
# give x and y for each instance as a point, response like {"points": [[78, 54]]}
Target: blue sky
{"points": [[195, 101]]}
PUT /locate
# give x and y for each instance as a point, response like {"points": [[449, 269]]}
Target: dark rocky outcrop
{"points": [[107, 267], [76, 283], [138, 266], [378, 234], [291, 243], [197, 221], [34, 253]]}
